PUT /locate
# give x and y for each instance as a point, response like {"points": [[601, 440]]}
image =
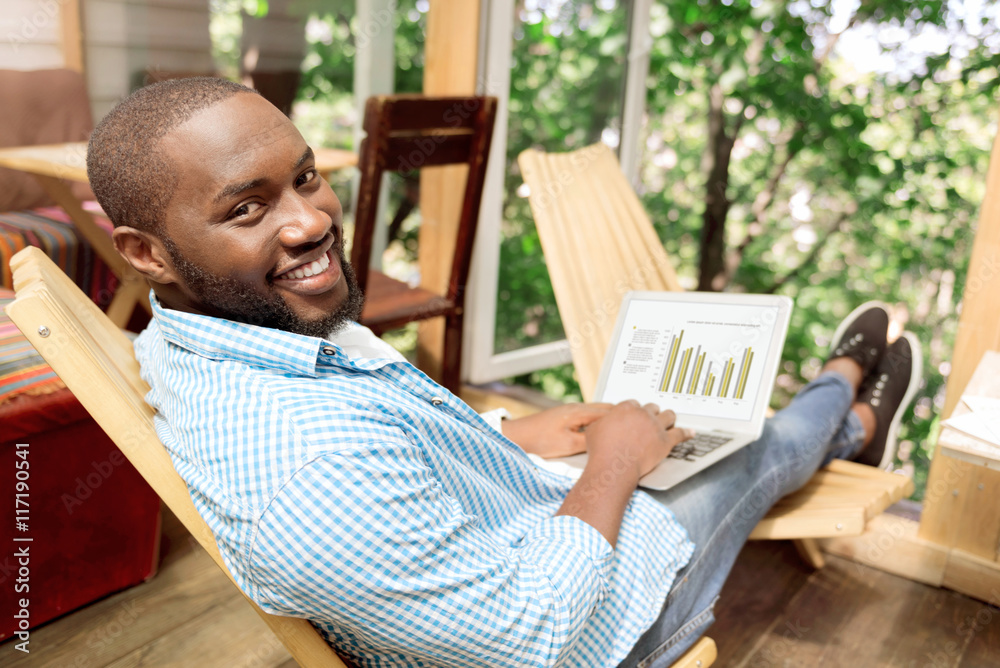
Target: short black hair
{"points": [[132, 181]]}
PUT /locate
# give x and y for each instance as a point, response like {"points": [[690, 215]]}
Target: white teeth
{"points": [[311, 269]]}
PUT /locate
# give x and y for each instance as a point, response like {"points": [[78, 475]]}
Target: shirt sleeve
{"points": [[368, 541]]}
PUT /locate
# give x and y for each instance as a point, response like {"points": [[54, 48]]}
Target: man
{"points": [[346, 487]]}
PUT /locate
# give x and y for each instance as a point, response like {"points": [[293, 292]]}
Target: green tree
{"points": [[772, 161], [816, 180]]}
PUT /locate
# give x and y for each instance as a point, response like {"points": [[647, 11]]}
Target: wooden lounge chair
{"points": [[598, 244], [96, 362]]}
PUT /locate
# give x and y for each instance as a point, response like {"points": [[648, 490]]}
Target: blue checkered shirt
{"points": [[361, 495]]}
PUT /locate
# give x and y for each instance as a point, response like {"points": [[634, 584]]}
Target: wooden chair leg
{"points": [[451, 359], [809, 550], [132, 291]]}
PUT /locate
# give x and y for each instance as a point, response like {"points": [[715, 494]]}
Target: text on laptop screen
{"points": [[693, 358]]}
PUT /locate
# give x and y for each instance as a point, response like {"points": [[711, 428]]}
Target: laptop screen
{"points": [[697, 358]]}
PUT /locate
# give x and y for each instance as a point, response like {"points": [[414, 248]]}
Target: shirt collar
{"points": [[220, 339]]}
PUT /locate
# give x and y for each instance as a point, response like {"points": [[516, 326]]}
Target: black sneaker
{"points": [[889, 391], [861, 336]]}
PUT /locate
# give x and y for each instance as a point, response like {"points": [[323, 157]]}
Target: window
{"points": [[591, 88]]}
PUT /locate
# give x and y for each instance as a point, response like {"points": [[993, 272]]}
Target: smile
{"points": [[310, 269], [311, 278]]}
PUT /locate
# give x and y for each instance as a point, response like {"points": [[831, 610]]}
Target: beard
{"points": [[238, 301]]}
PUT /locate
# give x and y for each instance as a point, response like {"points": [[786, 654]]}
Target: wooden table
{"points": [[56, 166]]}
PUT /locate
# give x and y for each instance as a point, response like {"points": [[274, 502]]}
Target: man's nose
{"points": [[304, 223]]}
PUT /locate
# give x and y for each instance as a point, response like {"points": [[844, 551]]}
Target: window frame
{"points": [[480, 362]]}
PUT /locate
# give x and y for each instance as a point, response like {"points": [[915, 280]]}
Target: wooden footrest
{"points": [[838, 501], [701, 655]]}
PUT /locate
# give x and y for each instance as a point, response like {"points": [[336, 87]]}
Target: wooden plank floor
{"points": [[188, 615], [774, 611]]}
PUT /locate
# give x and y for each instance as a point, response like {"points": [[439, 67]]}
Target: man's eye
{"points": [[306, 177], [245, 209]]}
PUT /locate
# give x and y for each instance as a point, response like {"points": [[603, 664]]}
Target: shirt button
{"points": [[329, 351], [436, 401]]}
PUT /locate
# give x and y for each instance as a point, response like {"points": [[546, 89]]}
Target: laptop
{"points": [[710, 357]]}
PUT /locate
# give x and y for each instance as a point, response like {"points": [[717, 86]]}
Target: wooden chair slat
{"points": [[417, 152], [416, 112]]}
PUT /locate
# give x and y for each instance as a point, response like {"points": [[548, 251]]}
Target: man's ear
{"points": [[146, 253]]}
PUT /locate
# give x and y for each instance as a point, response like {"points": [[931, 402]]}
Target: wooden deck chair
{"points": [[96, 362], [599, 244]]}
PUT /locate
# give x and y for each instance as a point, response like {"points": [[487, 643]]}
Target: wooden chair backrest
{"points": [[410, 132], [598, 244], [96, 362]]}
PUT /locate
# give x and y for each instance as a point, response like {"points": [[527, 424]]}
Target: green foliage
{"points": [[872, 180], [844, 184], [569, 52]]}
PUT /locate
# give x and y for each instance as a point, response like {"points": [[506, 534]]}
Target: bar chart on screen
{"points": [[692, 371], [692, 357]]}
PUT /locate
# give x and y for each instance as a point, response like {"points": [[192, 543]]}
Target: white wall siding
{"points": [[29, 35], [122, 39]]}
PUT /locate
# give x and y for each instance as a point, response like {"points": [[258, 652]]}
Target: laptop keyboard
{"points": [[699, 446]]}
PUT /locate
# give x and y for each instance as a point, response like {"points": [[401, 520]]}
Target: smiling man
{"points": [[239, 193], [346, 487]]}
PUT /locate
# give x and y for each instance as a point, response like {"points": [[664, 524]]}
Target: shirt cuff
{"points": [[494, 417]]}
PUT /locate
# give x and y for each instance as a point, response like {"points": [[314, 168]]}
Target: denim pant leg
{"points": [[720, 506]]}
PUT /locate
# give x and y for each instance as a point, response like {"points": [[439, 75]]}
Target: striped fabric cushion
{"points": [[22, 370], [50, 229]]}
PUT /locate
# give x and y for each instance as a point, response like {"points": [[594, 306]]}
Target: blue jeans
{"points": [[720, 506]]}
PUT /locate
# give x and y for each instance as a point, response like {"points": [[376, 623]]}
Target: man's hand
{"points": [[634, 435], [622, 446], [556, 432]]}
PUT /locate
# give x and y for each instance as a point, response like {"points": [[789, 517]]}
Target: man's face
{"points": [[252, 231]]}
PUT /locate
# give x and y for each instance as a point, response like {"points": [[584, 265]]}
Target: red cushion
{"points": [[93, 521]]}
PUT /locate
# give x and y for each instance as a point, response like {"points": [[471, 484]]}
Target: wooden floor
{"points": [[774, 611]]}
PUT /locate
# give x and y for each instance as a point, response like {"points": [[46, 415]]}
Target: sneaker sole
{"points": [[849, 320], [916, 373]]}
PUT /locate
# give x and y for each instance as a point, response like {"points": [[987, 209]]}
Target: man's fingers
{"points": [[651, 408], [667, 418], [677, 435], [591, 411]]}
